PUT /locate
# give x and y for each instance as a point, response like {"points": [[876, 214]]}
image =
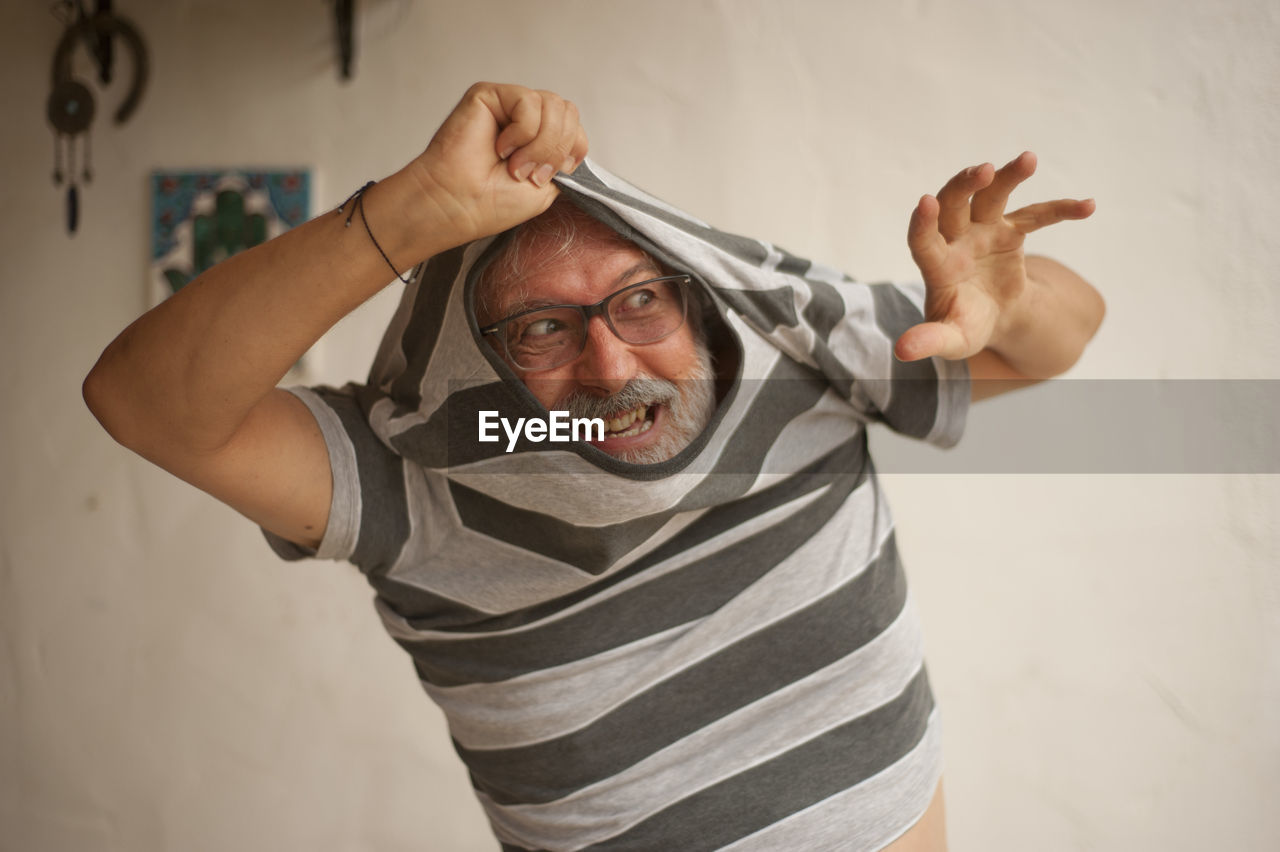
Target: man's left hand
{"points": [[969, 251]]}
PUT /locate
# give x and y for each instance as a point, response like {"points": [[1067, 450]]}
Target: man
{"points": [[690, 632]]}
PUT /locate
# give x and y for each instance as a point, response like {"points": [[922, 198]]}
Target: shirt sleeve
{"points": [[368, 511], [855, 327]]}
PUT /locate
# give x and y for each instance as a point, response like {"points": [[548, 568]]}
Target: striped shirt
{"points": [[717, 651]]}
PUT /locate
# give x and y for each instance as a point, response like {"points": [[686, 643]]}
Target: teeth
{"points": [[644, 426], [617, 424]]}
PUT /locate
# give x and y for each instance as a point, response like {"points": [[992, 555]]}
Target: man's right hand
{"points": [[489, 166]]}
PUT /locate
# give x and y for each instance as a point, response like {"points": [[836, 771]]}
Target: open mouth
{"points": [[630, 423]]}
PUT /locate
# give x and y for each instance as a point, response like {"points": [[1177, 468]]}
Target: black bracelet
{"points": [[356, 200]]}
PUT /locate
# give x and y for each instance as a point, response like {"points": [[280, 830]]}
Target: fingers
{"points": [[979, 195], [540, 133], [988, 204], [1036, 216], [953, 199], [931, 339], [578, 152], [928, 248]]}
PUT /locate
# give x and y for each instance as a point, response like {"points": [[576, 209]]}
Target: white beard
{"points": [[689, 406]]}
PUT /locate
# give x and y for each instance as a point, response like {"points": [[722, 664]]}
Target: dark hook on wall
{"points": [[97, 30], [101, 46], [343, 21]]}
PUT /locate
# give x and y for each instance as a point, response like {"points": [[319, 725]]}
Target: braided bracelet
{"points": [[356, 200]]}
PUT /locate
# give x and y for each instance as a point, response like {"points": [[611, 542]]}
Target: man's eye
{"points": [[639, 300], [542, 327]]}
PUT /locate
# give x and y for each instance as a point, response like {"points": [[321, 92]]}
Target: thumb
{"points": [[931, 339]]}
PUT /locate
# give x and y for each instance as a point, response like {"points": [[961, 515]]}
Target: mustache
{"points": [[642, 390]]}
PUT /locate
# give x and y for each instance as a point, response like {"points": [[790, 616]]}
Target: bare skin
{"points": [[929, 834]]}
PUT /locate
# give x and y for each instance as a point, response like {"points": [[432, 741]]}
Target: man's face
{"points": [[654, 398]]}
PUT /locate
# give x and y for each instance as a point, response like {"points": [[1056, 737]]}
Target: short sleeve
{"points": [[856, 326], [367, 521]]}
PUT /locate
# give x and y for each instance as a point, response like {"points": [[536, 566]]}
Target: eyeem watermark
{"points": [[558, 427]]}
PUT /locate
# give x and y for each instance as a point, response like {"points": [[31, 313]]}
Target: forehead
{"points": [[594, 264]]}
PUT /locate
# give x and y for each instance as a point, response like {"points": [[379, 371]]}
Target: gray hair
{"points": [[559, 233]]}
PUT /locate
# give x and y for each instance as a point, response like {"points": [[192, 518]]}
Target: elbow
{"points": [[1077, 305], [91, 393], [98, 395], [106, 398], [1092, 310], [1096, 313]]}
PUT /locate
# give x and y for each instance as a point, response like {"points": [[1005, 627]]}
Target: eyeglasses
{"points": [[640, 313]]}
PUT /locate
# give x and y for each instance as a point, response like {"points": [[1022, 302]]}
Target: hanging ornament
{"points": [[70, 107], [70, 111]]}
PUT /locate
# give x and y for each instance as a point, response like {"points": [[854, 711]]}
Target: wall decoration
{"points": [[70, 107], [199, 218]]}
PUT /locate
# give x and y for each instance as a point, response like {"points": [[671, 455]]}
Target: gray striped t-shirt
{"points": [[714, 652]]}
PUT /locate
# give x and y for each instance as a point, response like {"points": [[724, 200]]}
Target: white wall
{"points": [[1106, 648]]}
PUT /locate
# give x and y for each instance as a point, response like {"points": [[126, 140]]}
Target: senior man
{"points": [[690, 631]]}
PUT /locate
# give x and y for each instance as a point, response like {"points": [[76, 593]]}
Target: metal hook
{"points": [[102, 27], [344, 21]]}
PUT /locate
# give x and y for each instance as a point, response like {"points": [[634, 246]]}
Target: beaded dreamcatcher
{"points": [[70, 108]]}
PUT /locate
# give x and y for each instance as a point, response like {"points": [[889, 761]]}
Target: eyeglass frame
{"points": [[598, 309]]}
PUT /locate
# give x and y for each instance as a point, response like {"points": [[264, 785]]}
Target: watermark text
{"points": [[558, 427]]}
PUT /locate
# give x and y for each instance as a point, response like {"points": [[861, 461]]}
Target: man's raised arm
{"points": [[191, 384]]}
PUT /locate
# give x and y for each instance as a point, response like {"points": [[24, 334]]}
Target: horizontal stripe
{"points": [[425, 612], [442, 584], [670, 600], [857, 684], [556, 701], [589, 549], [794, 647], [774, 790], [866, 817]]}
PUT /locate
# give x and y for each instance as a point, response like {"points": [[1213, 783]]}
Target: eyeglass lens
{"points": [[642, 313]]}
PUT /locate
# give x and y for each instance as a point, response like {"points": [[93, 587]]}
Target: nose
{"points": [[606, 362]]}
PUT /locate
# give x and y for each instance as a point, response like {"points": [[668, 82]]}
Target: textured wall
{"points": [[1106, 648]]}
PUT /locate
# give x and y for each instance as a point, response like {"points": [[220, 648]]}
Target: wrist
{"points": [[1014, 317], [408, 225]]}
